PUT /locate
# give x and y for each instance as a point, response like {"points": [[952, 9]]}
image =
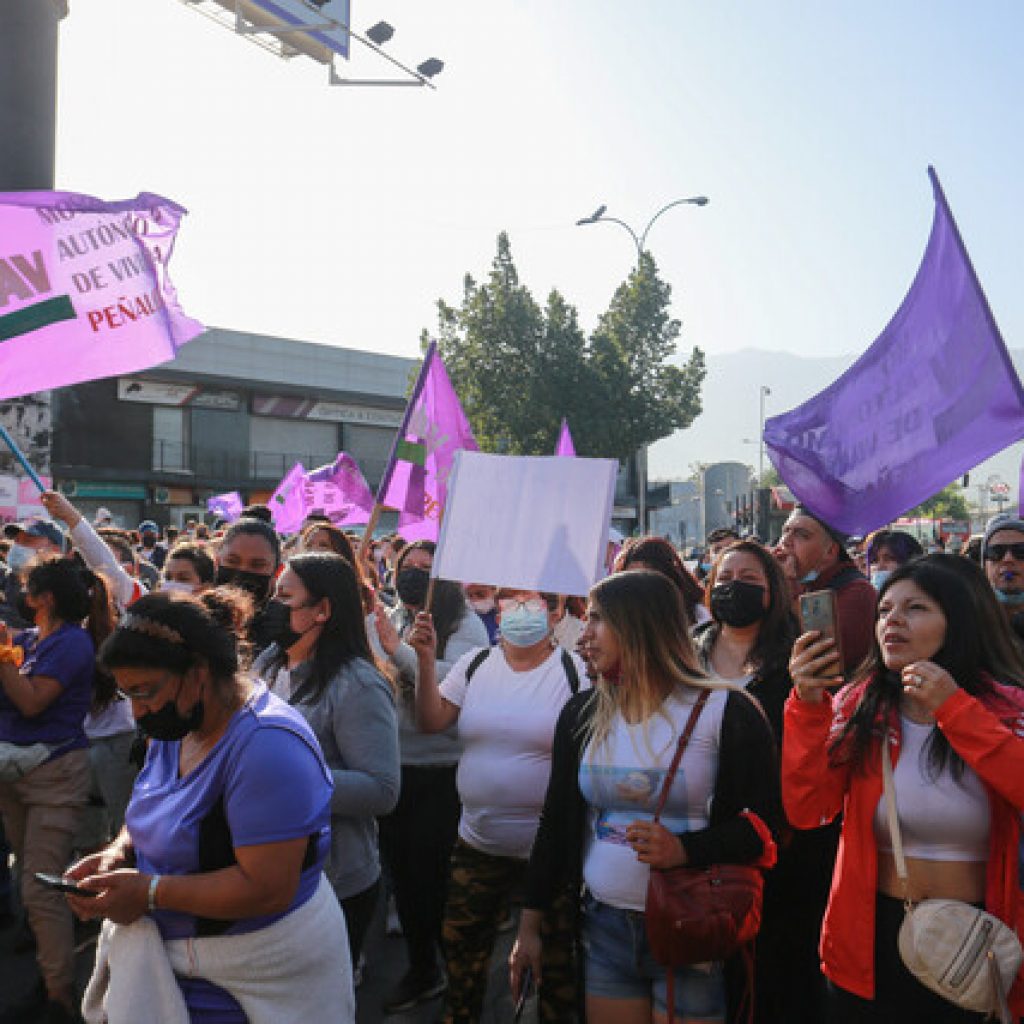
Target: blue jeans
{"points": [[619, 965]]}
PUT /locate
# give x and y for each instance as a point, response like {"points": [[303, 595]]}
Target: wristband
{"points": [[151, 894]]}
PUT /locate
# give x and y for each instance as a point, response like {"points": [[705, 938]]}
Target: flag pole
{"points": [[20, 456], [389, 471]]}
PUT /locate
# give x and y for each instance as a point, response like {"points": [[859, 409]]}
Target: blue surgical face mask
{"points": [[1009, 599], [524, 628], [879, 577], [19, 556]]}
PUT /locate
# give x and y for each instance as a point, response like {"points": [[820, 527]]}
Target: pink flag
{"points": [[434, 429], [287, 503], [84, 291], [340, 491], [565, 445], [226, 506]]}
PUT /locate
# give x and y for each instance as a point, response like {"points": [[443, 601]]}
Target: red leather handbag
{"points": [[699, 915]]}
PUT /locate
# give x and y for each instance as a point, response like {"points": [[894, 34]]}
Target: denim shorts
{"points": [[619, 965]]}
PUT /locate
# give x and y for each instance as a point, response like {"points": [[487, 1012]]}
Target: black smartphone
{"points": [[524, 991], [63, 885]]}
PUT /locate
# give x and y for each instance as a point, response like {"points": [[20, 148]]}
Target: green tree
{"points": [[949, 503], [520, 368], [644, 396]]}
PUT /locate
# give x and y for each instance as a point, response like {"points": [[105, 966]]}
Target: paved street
{"points": [[385, 964]]}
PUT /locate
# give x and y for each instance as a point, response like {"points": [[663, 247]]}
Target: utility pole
{"points": [[28, 92]]}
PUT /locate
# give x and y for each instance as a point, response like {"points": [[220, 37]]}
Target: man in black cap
{"points": [[815, 558]]}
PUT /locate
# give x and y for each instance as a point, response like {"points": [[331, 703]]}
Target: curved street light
{"points": [[640, 241]]}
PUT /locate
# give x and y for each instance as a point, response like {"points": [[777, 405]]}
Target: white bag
{"points": [[966, 955]]}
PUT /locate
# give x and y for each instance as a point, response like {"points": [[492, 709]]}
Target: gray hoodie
{"points": [[356, 724]]}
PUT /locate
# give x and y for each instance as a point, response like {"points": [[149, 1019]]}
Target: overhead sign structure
{"points": [[319, 30], [529, 522]]}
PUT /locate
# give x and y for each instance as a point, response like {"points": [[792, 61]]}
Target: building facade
{"points": [[233, 411]]}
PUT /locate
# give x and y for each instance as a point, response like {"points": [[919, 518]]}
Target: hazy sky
{"points": [[341, 215]]}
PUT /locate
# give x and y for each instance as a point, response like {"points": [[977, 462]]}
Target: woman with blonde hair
{"points": [[612, 749]]}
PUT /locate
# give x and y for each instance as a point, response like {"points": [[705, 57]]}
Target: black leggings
{"points": [[416, 841], [359, 909], [899, 997]]}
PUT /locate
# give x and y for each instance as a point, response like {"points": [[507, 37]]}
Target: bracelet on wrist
{"points": [[151, 893]]}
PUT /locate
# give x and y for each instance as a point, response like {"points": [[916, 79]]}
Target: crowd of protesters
{"points": [[241, 747]]}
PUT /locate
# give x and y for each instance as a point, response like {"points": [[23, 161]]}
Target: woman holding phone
{"points": [[955, 729]]}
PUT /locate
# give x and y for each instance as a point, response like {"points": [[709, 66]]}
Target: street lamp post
{"points": [[640, 241], [765, 392]]}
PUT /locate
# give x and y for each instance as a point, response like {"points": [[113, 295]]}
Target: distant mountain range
{"points": [[728, 427]]}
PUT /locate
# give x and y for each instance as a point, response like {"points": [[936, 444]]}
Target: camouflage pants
{"points": [[479, 892]]}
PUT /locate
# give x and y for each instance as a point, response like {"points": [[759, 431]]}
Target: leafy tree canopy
{"points": [[519, 367], [949, 503]]}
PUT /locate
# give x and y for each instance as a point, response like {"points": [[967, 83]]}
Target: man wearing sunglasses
{"points": [[1002, 555]]}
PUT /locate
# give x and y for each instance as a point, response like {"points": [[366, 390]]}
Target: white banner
{"points": [[533, 523]]}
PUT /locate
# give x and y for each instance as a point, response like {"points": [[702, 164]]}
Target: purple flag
{"points": [[933, 396], [226, 506], [84, 291], [339, 490], [434, 429], [287, 503], [565, 445]]}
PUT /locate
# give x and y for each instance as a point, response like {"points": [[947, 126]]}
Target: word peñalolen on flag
{"points": [[933, 396], [339, 490], [565, 445], [84, 290], [434, 429], [226, 506]]}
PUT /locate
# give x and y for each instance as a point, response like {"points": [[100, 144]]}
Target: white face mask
{"points": [[171, 586], [19, 556], [483, 606]]}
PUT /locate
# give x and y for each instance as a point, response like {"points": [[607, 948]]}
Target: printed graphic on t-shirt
{"points": [[624, 795]]}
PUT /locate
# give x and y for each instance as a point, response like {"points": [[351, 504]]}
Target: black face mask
{"points": [[256, 583], [277, 624], [737, 603], [412, 585], [169, 723]]}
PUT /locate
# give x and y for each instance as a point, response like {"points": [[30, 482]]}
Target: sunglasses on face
{"points": [[997, 552]]}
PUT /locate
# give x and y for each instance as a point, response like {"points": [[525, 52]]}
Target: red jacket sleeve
{"points": [[813, 790], [987, 744]]}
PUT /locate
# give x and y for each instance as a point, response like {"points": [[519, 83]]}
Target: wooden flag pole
{"points": [[368, 532]]}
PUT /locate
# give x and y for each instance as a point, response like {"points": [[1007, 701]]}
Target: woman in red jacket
{"points": [[957, 734]]}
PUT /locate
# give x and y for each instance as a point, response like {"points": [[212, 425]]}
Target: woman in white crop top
{"points": [[959, 781]]}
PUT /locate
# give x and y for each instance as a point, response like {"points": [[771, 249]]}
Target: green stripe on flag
{"points": [[31, 318], [410, 451]]}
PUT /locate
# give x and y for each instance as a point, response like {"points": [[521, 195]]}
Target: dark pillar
{"points": [[28, 92]]}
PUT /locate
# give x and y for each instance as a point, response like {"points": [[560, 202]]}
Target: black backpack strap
{"points": [[478, 660], [570, 672]]}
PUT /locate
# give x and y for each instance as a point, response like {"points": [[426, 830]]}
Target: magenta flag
{"points": [[340, 491], [287, 503], [434, 429], [226, 506], [932, 397], [84, 291], [1020, 491], [565, 445]]}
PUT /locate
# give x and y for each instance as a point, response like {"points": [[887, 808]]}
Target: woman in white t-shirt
{"points": [[505, 702], [611, 752]]}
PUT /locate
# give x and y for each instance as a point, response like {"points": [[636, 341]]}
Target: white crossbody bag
{"points": [[964, 954]]}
